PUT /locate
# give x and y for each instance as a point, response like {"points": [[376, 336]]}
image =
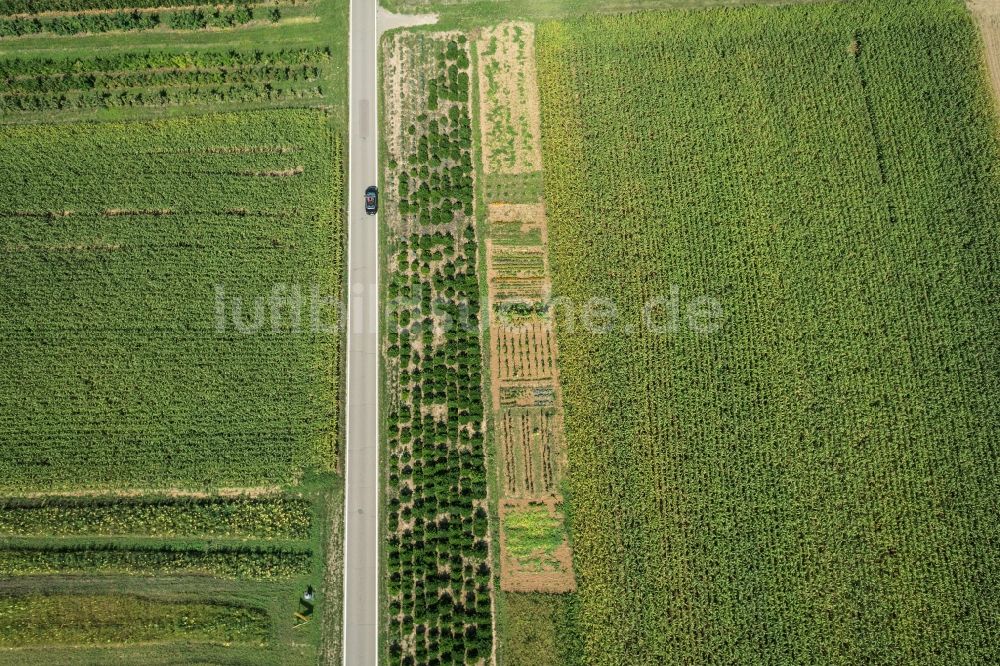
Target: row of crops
{"points": [[815, 482], [437, 558], [170, 405], [238, 537], [158, 80], [34, 7], [85, 570], [28, 558], [187, 19], [268, 517]]}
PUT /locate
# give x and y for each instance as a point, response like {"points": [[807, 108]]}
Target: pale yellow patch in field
{"points": [[535, 555], [510, 118]]}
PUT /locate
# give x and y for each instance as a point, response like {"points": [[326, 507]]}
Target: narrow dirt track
{"points": [[987, 14]]}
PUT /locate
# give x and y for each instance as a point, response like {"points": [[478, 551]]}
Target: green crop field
{"points": [[122, 245], [815, 481], [467, 14], [171, 269]]}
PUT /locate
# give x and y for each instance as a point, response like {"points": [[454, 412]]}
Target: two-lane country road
{"points": [[361, 468]]}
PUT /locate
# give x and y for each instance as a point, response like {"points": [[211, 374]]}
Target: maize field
{"points": [[814, 478]]}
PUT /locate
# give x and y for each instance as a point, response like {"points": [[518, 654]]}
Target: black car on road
{"points": [[371, 200]]}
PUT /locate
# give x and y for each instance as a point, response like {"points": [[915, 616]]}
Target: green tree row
{"points": [[439, 578]]}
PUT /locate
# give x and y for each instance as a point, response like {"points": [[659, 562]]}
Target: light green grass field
{"points": [[467, 13]]}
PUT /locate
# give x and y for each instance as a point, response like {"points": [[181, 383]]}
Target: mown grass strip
{"points": [[94, 619]]}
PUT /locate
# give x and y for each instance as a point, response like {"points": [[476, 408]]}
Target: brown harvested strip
{"points": [[535, 448], [511, 453], [529, 478], [283, 173], [987, 15], [516, 360], [546, 447], [91, 247], [36, 213], [518, 449], [549, 355], [229, 150], [119, 212], [511, 343], [518, 357], [508, 351], [501, 355], [522, 339], [508, 450], [265, 173]]}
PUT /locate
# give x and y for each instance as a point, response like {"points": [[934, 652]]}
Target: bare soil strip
{"points": [[987, 14]]}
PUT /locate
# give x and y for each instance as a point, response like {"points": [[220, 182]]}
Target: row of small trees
{"points": [[437, 551], [189, 19], [164, 78], [20, 7], [80, 23], [156, 98]]}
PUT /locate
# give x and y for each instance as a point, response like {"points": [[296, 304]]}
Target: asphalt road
{"points": [[361, 535]]}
